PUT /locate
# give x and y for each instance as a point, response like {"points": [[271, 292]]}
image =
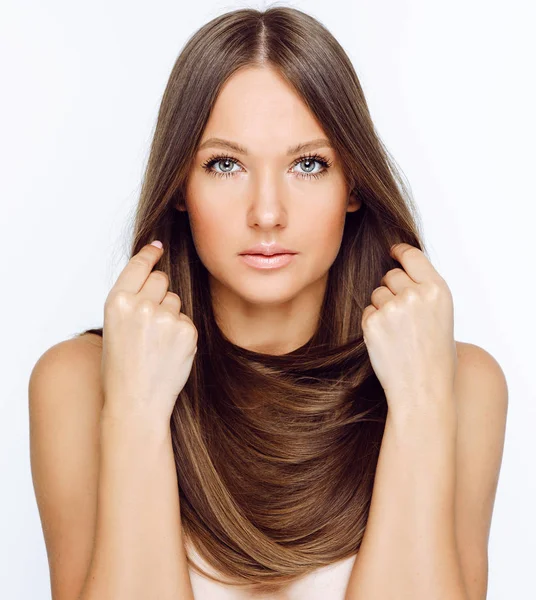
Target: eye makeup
{"points": [[214, 159]]}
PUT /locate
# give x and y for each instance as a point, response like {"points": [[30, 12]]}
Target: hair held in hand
{"points": [[276, 455]]}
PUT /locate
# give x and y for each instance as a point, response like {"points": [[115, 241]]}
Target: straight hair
{"points": [[276, 454]]}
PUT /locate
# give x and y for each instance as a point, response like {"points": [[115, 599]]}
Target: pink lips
{"points": [[268, 249], [261, 261]]}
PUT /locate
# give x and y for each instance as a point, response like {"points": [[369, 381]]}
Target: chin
{"points": [[268, 296]]}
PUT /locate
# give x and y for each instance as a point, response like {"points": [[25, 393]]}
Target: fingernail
{"points": [[157, 243]]}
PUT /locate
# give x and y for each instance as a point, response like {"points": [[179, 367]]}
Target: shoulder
{"points": [[479, 378], [65, 402], [88, 338], [69, 370], [481, 393], [77, 349]]}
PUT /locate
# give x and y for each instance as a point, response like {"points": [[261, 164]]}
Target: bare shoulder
{"points": [[481, 392], [90, 338], [65, 400], [63, 367], [472, 350], [478, 368]]}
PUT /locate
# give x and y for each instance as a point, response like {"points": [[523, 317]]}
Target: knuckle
{"points": [[146, 307], [117, 300], [189, 330], [410, 294], [390, 307], [410, 249], [140, 259], [372, 319], [433, 290], [166, 318], [368, 311], [160, 275], [377, 291]]}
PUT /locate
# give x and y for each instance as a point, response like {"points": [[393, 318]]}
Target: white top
{"points": [[327, 582]]}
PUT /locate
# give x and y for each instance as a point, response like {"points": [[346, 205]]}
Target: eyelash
{"points": [[326, 164]]}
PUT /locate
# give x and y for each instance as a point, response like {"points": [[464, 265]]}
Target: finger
{"points": [[155, 287], [172, 302], [367, 311], [414, 262], [380, 296], [396, 280], [138, 268]]}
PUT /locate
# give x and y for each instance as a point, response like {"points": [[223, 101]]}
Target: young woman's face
{"points": [[236, 200]]}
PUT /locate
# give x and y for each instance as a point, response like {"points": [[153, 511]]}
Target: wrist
{"points": [[423, 409], [136, 422]]}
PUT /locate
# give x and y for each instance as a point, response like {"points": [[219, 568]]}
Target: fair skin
{"points": [[263, 200], [267, 197], [426, 463]]}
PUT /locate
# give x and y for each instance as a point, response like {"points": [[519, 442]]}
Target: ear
{"points": [[180, 204], [354, 202]]}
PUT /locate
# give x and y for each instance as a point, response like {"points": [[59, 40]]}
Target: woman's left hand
{"points": [[408, 330]]}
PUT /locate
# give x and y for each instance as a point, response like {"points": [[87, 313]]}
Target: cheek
{"points": [[322, 233], [211, 233]]}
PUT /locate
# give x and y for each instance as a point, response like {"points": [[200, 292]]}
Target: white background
{"points": [[451, 89]]}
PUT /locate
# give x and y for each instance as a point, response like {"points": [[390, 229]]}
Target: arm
{"points": [[138, 550], [129, 484], [409, 549], [148, 348], [481, 395], [428, 519]]}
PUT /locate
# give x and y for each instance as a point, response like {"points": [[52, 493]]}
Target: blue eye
{"points": [[219, 159], [213, 160], [312, 159]]}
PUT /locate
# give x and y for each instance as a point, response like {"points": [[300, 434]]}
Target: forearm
{"points": [[409, 550], [138, 551]]}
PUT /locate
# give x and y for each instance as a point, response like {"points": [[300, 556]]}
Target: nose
{"points": [[267, 205]]}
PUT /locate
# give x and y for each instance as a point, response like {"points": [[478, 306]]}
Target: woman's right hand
{"points": [[148, 344]]}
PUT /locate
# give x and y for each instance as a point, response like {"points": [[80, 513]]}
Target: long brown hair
{"points": [[276, 455]]}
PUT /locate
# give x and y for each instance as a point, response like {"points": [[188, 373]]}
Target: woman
{"points": [[262, 341]]}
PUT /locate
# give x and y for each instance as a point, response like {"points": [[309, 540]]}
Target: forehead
{"points": [[257, 108]]}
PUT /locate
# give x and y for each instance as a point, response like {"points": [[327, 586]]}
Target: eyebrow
{"points": [[229, 145]]}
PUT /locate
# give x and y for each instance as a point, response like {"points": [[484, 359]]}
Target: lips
{"points": [[267, 250], [265, 253], [268, 261]]}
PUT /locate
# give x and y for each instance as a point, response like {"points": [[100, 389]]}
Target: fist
{"points": [[148, 344], [409, 331]]}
